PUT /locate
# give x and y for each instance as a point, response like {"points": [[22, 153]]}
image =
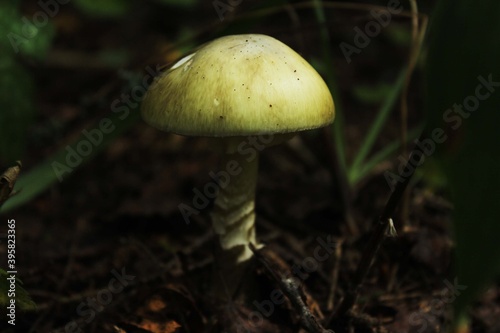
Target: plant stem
{"points": [[378, 235], [376, 127], [327, 55]]}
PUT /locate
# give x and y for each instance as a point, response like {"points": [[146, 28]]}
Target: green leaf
{"points": [[16, 95], [108, 8], [399, 34], [464, 55], [9, 19], [179, 3], [23, 299], [115, 58], [372, 94], [32, 37], [22, 33]]}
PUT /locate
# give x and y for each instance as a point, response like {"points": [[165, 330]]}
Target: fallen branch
{"points": [[294, 294], [382, 224]]}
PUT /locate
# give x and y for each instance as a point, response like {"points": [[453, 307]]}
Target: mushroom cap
{"points": [[239, 85]]}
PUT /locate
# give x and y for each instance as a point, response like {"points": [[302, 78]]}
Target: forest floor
{"points": [[107, 249]]}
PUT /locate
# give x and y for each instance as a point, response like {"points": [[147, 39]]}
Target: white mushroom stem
{"points": [[233, 216]]}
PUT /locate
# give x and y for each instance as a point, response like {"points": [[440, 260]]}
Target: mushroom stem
{"points": [[233, 216]]}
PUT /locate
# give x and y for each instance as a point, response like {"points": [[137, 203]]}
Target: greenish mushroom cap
{"points": [[239, 85]]}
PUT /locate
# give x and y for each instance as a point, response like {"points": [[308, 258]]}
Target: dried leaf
{"points": [[8, 180]]}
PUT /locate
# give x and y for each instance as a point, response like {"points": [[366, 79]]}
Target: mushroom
{"points": [[244, 92]]}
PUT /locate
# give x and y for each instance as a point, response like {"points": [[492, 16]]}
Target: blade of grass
{"points": [[376, 127], [418, 36], [43, 176], [327, 54], [381, 155], [338, 148]]}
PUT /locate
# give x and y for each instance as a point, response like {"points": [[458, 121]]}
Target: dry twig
{"points": [[292, 291]]}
